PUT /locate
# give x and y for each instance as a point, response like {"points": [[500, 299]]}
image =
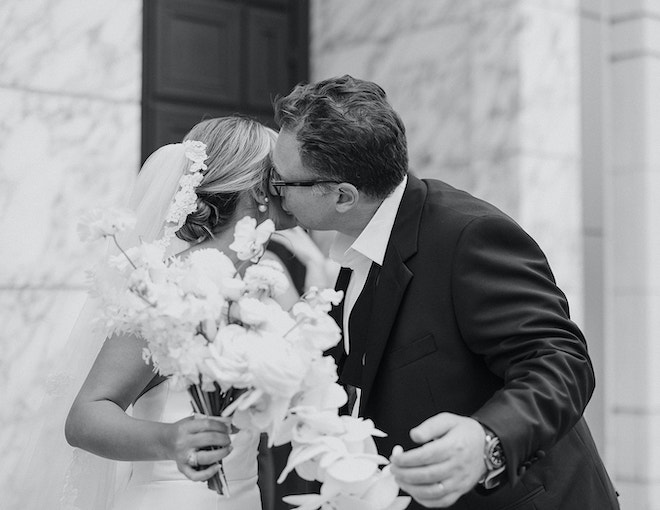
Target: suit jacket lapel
{"points": [[393, 279]]}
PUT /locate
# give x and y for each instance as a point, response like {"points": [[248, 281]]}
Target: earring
{"points": [[263, 207]]}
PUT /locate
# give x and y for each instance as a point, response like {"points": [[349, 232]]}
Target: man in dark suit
{"points": [[457, 342]]}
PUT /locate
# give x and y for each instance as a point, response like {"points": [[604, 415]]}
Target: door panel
{"points": [[171, 121], [268, 67], [206, 58], [197, 51]]}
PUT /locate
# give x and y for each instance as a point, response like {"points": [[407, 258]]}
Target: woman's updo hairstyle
{"points": [[238, 150]]}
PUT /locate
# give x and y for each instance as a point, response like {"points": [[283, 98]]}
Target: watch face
{"points": [[495, 454]]}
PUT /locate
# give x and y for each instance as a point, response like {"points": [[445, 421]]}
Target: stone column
{"points": [[633, 248]]}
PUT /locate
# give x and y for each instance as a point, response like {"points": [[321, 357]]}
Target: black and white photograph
{"points": [[329, 254]]}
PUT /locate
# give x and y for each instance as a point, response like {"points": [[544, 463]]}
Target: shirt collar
{"points": [[372, 241]]}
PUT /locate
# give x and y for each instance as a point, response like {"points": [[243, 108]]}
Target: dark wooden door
{"points": [[207, 58]]}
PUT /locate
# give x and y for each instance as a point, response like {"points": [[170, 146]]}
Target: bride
{"points": [[122, 411]]}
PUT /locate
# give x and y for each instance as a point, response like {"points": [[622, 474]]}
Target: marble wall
{"points": [[489, 93], [70, 87]]}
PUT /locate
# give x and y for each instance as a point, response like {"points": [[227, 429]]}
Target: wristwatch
{"points": [[493, 452]]}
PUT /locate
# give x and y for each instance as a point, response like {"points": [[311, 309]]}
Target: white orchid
{"points": [[250, 239], [322, 299]]}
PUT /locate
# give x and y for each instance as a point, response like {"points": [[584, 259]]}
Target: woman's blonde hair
{"points": [[238, 151]]}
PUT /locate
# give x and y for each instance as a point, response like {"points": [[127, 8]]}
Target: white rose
{"points": [[196, 282], [277, 369], [251, 311], [233, 288], [211, 263], [229, 369], [266, 278]]}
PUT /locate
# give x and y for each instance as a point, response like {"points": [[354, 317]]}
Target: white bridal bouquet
{"points": [[218, 331]]}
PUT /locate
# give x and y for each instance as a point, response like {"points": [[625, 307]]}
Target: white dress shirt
{"points": [[359, 253]]}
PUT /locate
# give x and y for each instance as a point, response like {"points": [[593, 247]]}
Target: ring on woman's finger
{"points": [[439, 487], [191, 458]]}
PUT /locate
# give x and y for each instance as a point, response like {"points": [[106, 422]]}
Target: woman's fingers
{"points": [[199, 423], [201, 443], [203, 439], [199, 475], [208, 457]]}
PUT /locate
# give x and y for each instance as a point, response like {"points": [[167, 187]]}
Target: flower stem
{"points": [[298, 323], [114, 238]]}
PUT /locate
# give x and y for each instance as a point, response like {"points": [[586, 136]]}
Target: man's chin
{"points": [[286, 221]]}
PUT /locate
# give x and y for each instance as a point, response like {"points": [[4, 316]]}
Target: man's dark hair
{"points": [[347, 131]]}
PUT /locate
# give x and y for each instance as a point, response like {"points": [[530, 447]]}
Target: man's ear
{"points": [[348, 197]]}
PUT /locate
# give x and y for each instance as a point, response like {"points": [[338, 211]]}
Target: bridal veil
{"points": [[52, 474]]}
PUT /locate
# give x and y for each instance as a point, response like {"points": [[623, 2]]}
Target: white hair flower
{"points": [[185, 199], [196, 152]]}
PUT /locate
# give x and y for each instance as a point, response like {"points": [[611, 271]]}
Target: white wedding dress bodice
{"points": [[160, 485]]}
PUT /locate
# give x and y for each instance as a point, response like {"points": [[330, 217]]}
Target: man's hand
{"points": [[449, 463]]}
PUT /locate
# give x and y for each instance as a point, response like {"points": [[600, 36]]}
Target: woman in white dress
{"points": [[159, 436]]}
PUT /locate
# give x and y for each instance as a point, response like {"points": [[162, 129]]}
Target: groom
{"points": [[457, 342]]}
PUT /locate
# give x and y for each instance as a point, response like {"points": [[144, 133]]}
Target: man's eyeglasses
{"points": [[277, 184]]}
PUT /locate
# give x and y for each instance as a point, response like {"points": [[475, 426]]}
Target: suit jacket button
{"points": [[521, 470], [540, 454]]}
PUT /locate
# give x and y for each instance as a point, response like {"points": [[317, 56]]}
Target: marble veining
{"points": [[550, 211], [420, 90], [550, 88], [488, 91], [494, 60], [79, 47], [59, 156], [345, 23]]}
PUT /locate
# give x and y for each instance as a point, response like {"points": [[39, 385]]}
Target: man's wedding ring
{"points": [[191, 459]]}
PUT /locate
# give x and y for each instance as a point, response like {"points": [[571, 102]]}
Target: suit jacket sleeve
{"points": [[511, 313]]}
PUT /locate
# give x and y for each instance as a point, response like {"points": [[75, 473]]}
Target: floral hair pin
{"points": [[185, 199]]}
